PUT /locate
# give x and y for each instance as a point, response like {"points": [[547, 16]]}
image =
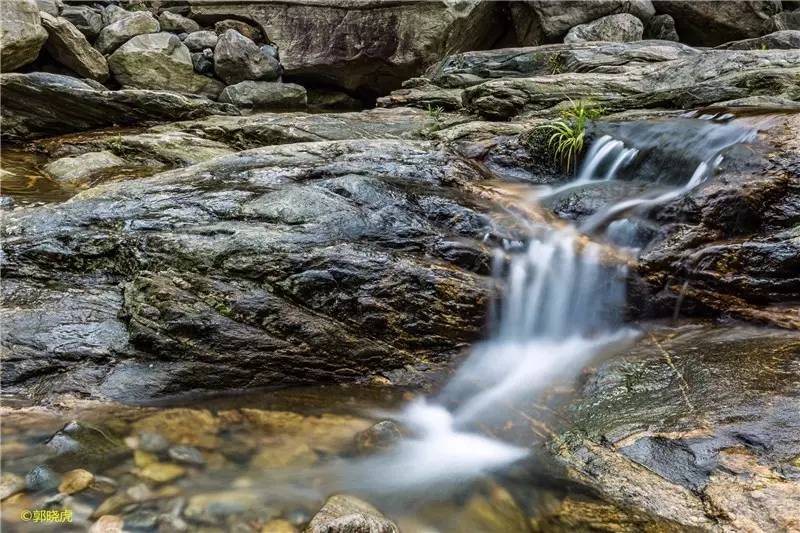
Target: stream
{"points": [[469, 453]]}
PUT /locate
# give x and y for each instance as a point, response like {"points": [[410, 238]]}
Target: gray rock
{"points": [[202, 63], [237, 58], [788, 20], [186, 454], [88, 20], [620, 28], [82, 167], [177, 23], [343, 513], [113, 13], [197, 41], [779, 40], [153, 442], [379, 437], [67, 45], [249, 31], [159, 61], [74, 105], [541, 21], [21, 34], [7, 203], [182, 36], [51, 7], [715, 23], [119, 32], [41, 478], [270, 50], [661, 27], [263, 95]]}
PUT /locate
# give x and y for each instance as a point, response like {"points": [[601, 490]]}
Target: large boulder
{"points": [[88, 20], [264, 95], [177, 23], [248, 30], [715, 23], [67, 45], [122, 30], [237, 58], [198, 41], [159, 61], [39, 104], [323, 261], [21, 34], [367, 47], [543, 21], [620, 28]]}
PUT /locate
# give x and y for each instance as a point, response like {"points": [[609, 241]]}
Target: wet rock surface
{"points": [[698, 427]]}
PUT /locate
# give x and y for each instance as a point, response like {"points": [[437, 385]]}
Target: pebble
{"points": [[278, 526], [10, 484], [107, 524], [112, 504], [141, 519], [152, 442], [41, 478], [161, 472], [105, 485], [168, 523], [75, 481], [142, 458], [186, 454]]}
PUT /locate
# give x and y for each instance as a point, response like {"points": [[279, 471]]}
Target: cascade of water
{"points": [[560, 308]]}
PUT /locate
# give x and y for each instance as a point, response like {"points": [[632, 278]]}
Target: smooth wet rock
{"points": [[344, 513], [779, 40], [21, 34], [248, 30], [661, 27], [75, 481], [75, 106], [157, 472], [159, 61], [79, 445], [714, 23], [237, 59], [615, 28], [67, 45], [215, 508], [278, 526], [81, 168], [186, 454], [107, 524], [378, 437], [10, 484], [87, 19], [41, 478], [200, 40], [192, 427], [177, 23], [265, 96], [284, 453], [152, 442], [119, 32]]}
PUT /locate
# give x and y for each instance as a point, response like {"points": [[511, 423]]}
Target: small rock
{"points": [[620, 28], [380, 437], [278, 526], [83, 167], [21, 34], [41, 478], [270, 50], [88, 20], [10, 484], [139, 492], [285, 454], [202, 64], [152, 442], [214, 508], [198, 41], [168, 523], [142, 458], [193, 427], [120, 32], [107, 524], [104, 485], [182, 36], [662, 27], [141, 519], [244, 28], [112, 504], [75, 481], [186, 454], [263, 95], [345, 513], [177, 23], [237, 59], [161, 472], [67, 45]]}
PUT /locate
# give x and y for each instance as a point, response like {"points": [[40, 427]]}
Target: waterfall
{"points": [[560, 308]]}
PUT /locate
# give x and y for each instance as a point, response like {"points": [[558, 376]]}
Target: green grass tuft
{"points": [[568, 133]]}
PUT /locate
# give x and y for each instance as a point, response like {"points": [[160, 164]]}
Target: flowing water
{"points": [[560, 307]]}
